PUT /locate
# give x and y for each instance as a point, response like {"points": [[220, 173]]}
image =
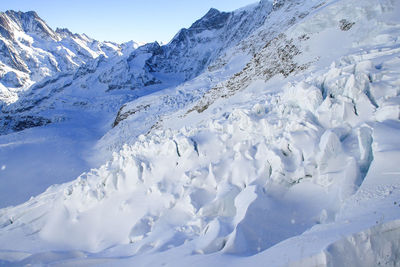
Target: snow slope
{"points": [[288, 159]]}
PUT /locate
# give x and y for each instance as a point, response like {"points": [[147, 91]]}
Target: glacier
{"points": [[264, 136]]}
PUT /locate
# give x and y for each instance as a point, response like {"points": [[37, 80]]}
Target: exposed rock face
{"points": [[5, 28], [31, 23], [123, 115], [213, 20], [19, 123], [278, 3], [132, 72], [276, 57], [193, 49], [345, 25]]}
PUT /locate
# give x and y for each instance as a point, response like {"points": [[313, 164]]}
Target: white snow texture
{"points": [[268, 136]]}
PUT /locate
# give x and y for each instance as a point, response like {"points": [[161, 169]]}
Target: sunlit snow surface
{"points": [[299, 170]]}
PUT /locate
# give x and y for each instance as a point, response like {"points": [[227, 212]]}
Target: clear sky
{"points": [[122, 20]]}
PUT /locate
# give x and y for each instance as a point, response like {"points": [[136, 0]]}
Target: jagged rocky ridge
{"points": [[32, 51]]}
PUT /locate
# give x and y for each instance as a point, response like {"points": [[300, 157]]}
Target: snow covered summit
{"points": [[31, 51]]}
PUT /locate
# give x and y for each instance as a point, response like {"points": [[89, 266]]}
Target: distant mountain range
{"points": [[37, 59], [31, 51]]}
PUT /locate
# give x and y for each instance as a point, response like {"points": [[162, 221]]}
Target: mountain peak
{"points": [[64, 32], [19, 16], [31, 13], [213, 19], [212, 12], [29, 22], [5, 28]]}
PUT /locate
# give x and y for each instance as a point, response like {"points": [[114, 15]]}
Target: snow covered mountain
{"points": [[265, 136], [150, 68], [31, 51]]}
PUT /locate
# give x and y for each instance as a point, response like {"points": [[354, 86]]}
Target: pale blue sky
{"points": [[123, 20]]}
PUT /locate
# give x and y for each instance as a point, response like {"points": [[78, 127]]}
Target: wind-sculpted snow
{"points": [[290, 161]]}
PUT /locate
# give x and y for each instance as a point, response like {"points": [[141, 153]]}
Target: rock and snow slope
{"points": [[31, 51], [287, 159]]}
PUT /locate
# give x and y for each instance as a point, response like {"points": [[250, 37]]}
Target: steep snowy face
{"points": [[193, 49], [132, 72], [30, 51], [29, 22]]}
